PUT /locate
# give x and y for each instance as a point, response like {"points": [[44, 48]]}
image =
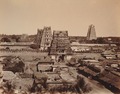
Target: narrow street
{"points": [[96, 86]]}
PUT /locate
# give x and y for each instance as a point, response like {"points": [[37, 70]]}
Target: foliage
{"points": [[8, 88], [100, 40], [13, 65], [34, 46], [5, 39], [83, 84], [72, 62], [15, 37]]}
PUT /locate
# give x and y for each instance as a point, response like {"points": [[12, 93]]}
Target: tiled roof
{"points": [[111, 79]]}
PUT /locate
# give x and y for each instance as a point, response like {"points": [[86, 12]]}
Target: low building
{"points": [[108, 54], [53, 78], [44, 68], [77, 47], [43, 63]]}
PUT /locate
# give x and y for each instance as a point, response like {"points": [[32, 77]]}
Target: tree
{"points": [[71, 62], [40, 81], [15, 37], [14, 66], [5, 39], [87, 88], [83, 84], [8, 87], [7, 48], [34, 46], [100, 40]]}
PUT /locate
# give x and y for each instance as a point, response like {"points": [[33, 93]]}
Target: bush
{"points": [[83, 84], [34, 46], [8, 88], [87, 88], [13, 65], [5, 39]]}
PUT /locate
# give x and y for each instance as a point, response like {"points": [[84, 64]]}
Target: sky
{"points": [[26, 16]]}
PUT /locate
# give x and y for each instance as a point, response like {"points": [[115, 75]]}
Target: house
{"points": [[53, 78], [44, 63], [67, 77], [44, 60]]}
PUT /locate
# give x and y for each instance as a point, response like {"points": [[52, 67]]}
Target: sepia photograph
{"points": [[59, 46]]}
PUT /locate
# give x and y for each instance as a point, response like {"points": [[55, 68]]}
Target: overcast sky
{"points": [[26, 16]]}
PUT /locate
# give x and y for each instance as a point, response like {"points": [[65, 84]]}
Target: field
{"points": [[24, 55]]}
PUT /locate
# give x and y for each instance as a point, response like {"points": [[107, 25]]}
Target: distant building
{"points": [[44, 38], [80, 39], [91, 35], [76, 47], [108, 54], [60, 47]]}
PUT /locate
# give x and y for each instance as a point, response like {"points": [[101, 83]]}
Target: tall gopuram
{"points": [[39, 37], [91, 35], [60, 46], [44, 38]]}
